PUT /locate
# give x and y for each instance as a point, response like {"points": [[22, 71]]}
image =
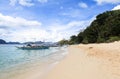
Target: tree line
{"points": [[105, 28]]}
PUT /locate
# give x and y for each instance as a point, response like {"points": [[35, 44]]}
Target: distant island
{"points": [[13, 43], [2, 41], [52, 44]]}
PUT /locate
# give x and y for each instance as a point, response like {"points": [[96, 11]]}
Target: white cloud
{"points": [[29, 34], [43, 1], [116, 7], [82, 5], [13, 2], [15, 28], [20, 29], [22, 2], [61, 31], [27, 3], [72, 13], [107, 1], [9, 21]]}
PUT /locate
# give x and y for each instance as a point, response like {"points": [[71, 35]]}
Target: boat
{"points": [[33, 47]]}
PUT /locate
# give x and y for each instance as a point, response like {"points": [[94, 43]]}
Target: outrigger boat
{"points": [[35, 47]]}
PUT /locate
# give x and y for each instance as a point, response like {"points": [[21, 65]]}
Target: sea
{"points": [[16, 62]]}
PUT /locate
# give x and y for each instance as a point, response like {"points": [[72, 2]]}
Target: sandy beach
{"points": [[90, 61]]}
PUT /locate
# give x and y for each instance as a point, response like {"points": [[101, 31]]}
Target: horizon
{"points": [[49, 20]]}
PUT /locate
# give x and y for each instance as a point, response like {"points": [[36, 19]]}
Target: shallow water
{"points": [[13, 60]]}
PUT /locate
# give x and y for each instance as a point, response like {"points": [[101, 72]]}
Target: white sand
{"points": [[92, 61]]}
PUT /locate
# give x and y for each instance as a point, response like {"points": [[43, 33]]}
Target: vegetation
{"points": [[2, 41], [63, 42], [105, 28]]}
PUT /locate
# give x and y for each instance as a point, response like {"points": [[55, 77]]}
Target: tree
{"points": [[63, 42], [73, 39], [106, 27]]}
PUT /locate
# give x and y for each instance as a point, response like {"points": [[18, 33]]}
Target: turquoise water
{"points": [[12, 59]]}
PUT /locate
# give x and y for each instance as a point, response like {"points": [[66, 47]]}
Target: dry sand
{"points": [[92, 61]]}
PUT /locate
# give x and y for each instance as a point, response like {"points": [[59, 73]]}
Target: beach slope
{"points": [[91, 61]]}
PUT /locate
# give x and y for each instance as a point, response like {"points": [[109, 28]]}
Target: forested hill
{"points": [[105, 28]]}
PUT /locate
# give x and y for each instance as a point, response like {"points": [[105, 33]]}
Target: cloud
{"points": [[107, 1], [20, 29], [116, 7], [43, 1], [22, 2], [29, 34], [72, 13], [8, 21], [13, 28], [64, 31], [27, 3], [82, 5], [13, 2]]}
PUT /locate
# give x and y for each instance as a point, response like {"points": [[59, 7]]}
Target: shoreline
{"points": [[36, 69], [91, 61]]}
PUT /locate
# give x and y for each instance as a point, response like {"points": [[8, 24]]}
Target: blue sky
{"points": [[48, 20]]}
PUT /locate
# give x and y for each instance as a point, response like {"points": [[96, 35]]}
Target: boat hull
{"points": [[33, 48]]}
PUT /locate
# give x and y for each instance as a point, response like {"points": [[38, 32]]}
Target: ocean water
{"points": [[14, 61]]}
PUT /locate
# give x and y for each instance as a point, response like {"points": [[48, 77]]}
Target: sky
{"points": [[49, 20]]}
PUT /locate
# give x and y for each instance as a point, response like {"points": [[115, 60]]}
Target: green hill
{"points": [[105, 28]]}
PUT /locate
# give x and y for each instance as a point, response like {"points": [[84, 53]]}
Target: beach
{"points": [[83, 61], [89, 61]]}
